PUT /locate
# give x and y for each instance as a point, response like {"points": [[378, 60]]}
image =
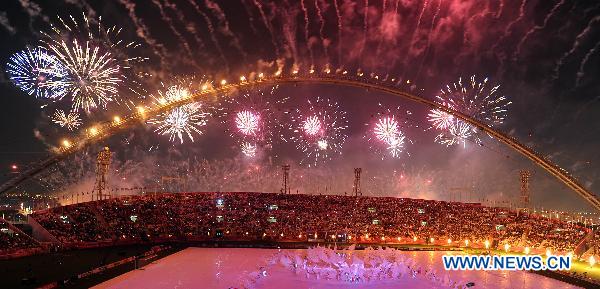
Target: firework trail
{"points": [[224, 24], [143, 32], [380, 23], [510, 25], [339, 26], [575, 46], [383, 7], [483, 13], [321, 27], [267, 24], [437, 12], [584, 15], [500, 9], [414, 34], [6, 23], [84, 6], [211, 31], [37, 73], [71, 120], [365, 28], [586, 58], [586, 11], [306, 36], [250, 17], [537, 27], [419, 19], [189, 27], [33, 11], [289, 33], [167, 19], [395, 17]]}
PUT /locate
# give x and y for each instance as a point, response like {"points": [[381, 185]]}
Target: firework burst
{"points": [[184, 120], [254, 117], [387, 129], [248, 149], [71, 120], [385, 134], [172, 93], [459, 132], [312, 125], [319, 131], [37, 73], [479, 100], [247, 122], [395, 146], [97, 62], [440, 119]]}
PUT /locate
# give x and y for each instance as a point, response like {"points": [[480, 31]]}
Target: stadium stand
{"points": [[278, 217]]}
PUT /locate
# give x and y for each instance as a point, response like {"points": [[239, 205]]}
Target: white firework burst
{"points": [[173, 93], [396, 145], [94, 76], [458, 133], [98, 63], [385, 135], [247, 122], [440, 119], [180, 121], [249, 149], [312, 125], [478, 100], [71, 120], [387, 129]]}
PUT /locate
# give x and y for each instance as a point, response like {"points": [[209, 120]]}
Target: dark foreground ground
{"points": [[61, 269]]}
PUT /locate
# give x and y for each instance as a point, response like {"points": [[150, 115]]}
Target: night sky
{"points": [[544, 54]]}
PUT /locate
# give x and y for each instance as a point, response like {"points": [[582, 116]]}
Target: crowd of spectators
{"points": [[76, 223], [12, 240], [296, 217]]}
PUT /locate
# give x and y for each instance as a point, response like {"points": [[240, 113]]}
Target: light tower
{"points": [[524, 175], [285, 186], [356, 188], [102, 164]]}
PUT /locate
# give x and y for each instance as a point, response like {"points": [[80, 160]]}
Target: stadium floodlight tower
{"points": [[356, 188], [525, 175], [102, 164], [285, 185]]}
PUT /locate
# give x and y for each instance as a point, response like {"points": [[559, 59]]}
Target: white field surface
{"points": [[217, 268]]}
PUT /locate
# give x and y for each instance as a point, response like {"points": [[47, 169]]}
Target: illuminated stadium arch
{"points": [[371, 82]]}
